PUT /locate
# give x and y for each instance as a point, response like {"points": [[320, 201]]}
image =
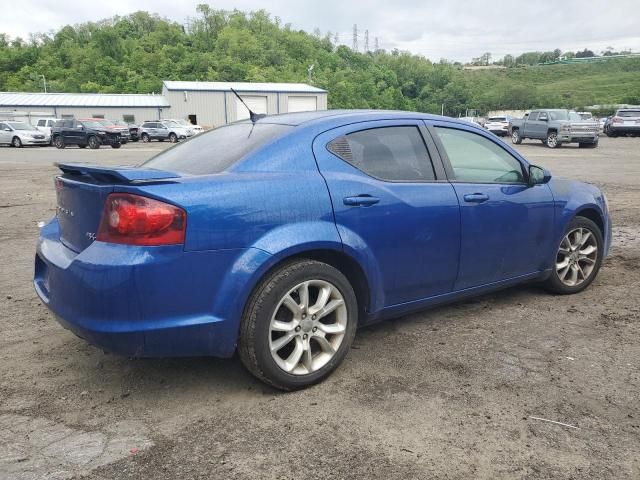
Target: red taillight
{"points": [[616, 120], [137, 220]]}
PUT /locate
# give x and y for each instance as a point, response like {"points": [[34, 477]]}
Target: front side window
{"points": [[396, 154], [533, 116], [41, 123], [543, 117], [476, 159]]}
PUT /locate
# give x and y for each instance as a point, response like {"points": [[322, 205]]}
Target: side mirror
{"points": [[538, 175]]}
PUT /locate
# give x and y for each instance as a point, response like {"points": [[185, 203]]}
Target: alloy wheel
{"points": [[552, 140], [307, 327], [577, 256]]}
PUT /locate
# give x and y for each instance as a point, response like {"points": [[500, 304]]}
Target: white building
{"points": [[132, 108], [212, 104]]}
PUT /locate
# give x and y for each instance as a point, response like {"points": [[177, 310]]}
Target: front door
{"points": [[5, 133], [507, 225], [391, 208]]}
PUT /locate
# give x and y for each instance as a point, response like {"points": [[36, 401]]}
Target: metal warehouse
{"points": [[131, 108], [212, 104]]}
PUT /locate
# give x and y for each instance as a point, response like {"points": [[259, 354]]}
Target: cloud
{"points": [[453, 29]]}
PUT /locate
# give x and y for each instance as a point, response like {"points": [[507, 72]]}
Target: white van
{"points": [[44, 124]]}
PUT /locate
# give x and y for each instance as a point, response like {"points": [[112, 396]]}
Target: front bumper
{"points": [[144, 301], [578, 137], [36, 141]]}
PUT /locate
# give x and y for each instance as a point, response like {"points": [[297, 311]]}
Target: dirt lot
{"points": [[447, 393]]}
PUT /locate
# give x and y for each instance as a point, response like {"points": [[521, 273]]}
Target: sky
{"points": [[453, 29]]}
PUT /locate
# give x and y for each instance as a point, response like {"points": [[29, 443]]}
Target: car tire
{"points": [[574, 250], [116, 145], [588, 145], [173, 138], [93, 142], [306, 350], [16, 142], [82, 146], [552, 140], [516, 139], [59, 142], [611, 134], [145, 138]]}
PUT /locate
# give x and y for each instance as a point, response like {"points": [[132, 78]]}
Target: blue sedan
{"points": [[278, 237]]}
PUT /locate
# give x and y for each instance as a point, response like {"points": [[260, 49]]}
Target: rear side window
{"points": [[396, 154], [216, 150], [629, 113], [476, 159]]}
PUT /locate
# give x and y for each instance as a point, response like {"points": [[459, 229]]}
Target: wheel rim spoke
{"points": [[279, 326], [281, 342], [292, 305], [325, 345], [332, 328]]}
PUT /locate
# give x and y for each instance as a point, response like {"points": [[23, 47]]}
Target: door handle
{"points": [[476, 197], [360, 200]]}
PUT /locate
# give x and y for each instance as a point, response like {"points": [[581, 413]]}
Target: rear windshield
{"points": [[216, 150], [629, 113], [497, 119]]}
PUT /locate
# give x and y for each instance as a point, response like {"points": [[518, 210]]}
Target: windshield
{"points": [[216, 150], [92, 124], [629, 113], [563, 115], [20, 126]]}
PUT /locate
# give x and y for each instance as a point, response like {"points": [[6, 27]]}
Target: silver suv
{"points": [[164, 130], [626, 121]]}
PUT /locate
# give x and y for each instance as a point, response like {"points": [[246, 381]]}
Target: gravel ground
{"points": [[450, 393]]}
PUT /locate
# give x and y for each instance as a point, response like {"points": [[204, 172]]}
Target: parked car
{"points": [[498, 125], [187, 124], [626, 121], [280, 237], [19, 134], [556, 127], [45, 124], [162, 130], [113, 125], [83, 133], [603, 122], [134, 134]]}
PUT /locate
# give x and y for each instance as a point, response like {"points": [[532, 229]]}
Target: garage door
{"points": [[256, 103], [303, 104]]}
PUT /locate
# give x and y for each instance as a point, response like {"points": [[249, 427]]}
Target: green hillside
{"points": [[133, 54]]}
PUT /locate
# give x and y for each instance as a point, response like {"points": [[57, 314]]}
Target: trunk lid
{"points": [[81, 192]]}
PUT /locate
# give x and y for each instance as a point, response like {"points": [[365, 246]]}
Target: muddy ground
{"points": [[448, 393]]}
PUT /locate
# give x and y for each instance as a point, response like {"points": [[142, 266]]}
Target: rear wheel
{"points": [[578, 257], [552, 140], [82, 146], [16, 142], [145, 138], [298, 325], [93, 142], [58, 142], [515, 137], [116, 145]]}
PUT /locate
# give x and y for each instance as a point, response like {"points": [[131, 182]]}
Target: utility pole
{"points": [[336, 39], [366, 40], [45, 83], [355, 37], [377, 44]]}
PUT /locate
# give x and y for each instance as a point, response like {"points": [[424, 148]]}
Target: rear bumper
{"points": [[145, 301], [624, 129]]}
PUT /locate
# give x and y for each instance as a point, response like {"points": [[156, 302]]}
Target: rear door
{"points": [[507, 226], [394, 205], [5, 133]]}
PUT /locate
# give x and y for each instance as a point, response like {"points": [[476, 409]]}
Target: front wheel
{"points": [[552, 140], [173, 138], [298, 325], [516, 139], [93, 142], [16, 142], [116, 145], [145, 138], [578, 257]]}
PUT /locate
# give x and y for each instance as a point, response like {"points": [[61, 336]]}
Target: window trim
{"points": [[438, 174], [447, 163]]}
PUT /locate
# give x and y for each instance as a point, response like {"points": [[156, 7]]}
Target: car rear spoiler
{"points": [[124, 174]]}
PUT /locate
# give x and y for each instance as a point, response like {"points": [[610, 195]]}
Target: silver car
{"points": [[164, 130], [19, 134], [626, 121]]}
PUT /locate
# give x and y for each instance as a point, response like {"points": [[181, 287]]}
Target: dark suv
{"points": [[84, 133]]}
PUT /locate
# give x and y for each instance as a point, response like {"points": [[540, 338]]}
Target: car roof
{"points": [[331, 118]]}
